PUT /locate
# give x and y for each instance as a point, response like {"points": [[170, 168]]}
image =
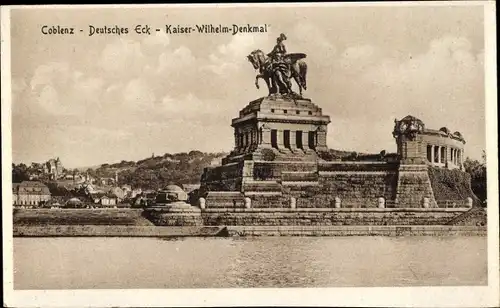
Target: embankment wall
{"points": [[327, 217], [126, 217]]}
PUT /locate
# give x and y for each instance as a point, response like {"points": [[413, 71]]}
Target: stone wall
{"points": [[174, 217], [318, 185], [413, 187], [47, 217], [357, 166], [327, 217], [222, 178], [273, 170], [355, 189], [176, 232]]}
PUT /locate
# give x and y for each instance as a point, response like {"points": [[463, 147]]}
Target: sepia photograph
{"points": [[274, 154]]}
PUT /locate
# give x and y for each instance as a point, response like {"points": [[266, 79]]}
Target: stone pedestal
{"points": [[288, 126], [285, 137]]}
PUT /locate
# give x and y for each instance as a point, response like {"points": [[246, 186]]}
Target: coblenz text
{"points": [[51, 30]]}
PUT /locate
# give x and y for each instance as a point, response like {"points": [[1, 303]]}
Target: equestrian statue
{"points": [[278, 67]]}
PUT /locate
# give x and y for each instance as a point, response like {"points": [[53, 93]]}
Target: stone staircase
{"points": [[262, 188], [476, 216], [224, 199], [298, 179], [299, 176]]}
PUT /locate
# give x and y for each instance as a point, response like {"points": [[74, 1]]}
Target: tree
{"points": [[19, 173], [56, 190], [477, 171]]}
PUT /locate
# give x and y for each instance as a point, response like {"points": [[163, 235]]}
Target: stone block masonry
{"points": [[356, 231], [174, 217], [414, 187], [328, 217]]}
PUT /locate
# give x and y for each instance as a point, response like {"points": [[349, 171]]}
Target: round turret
{"points": [[408, 127], [412, 119], [171, 194]]}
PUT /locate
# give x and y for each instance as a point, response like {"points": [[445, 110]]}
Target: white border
{"points": [[389, 297]]}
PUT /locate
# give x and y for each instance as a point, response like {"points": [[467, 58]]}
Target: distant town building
{"points": [[54, 168], [105, 181], [118, 192], [105, 199], [30, 193], [145, 198], [126, 188], [109, 200], [135, 192]]}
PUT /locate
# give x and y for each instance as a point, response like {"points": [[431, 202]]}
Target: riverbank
{"points": [[193, 231]]}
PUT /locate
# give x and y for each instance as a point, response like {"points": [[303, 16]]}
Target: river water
{"points": [[137, 263]]}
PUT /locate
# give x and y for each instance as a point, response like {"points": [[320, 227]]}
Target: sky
{"points": [[105, 98]]}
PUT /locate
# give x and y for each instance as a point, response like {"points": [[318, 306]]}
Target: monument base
{"points": [[277, 163]]}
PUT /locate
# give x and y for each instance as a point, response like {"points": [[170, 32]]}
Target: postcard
{"points": [[295, 154]]}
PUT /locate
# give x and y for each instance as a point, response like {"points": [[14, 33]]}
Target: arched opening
{"points": [[298, 139], [286, 138], [311, 140]]}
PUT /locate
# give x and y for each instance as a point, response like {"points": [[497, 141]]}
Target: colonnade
{"points": [[440, 155], [279, 139]]}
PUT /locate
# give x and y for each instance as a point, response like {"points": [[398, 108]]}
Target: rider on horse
{"points": [[277, 55], [278, 67], [279, 49]]}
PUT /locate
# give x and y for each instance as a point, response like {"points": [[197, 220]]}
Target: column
{"points": [[252, 138], [432, 155], [266, 137], [305, 140], [235, 140], [321, 138], [461, 158], [293, 140], [439, 154], [446, 156]]}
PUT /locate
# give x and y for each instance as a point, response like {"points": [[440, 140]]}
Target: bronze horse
{"points": [[277, 76]]}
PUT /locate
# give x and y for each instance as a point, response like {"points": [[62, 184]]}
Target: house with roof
{"points": [[109, 200], [105, 199], [118, 192], [32, 193]]}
